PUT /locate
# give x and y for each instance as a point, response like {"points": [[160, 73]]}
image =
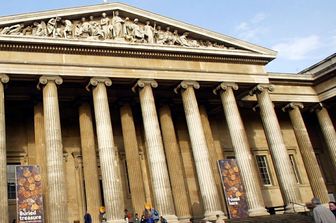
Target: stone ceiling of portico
{"points": [[118, 25]]}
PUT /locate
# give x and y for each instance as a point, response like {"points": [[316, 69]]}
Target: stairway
{"points": [[279, 218]]}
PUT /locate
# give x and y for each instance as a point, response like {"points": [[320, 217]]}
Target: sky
{"points": [[303, 32]]}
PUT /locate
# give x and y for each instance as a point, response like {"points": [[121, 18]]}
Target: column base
{"points": [[171, 218], [211, 215], [292, 208], [184, 219], [116, 221], [257, 212]]}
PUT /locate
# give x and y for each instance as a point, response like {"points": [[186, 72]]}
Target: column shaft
{"points": [[3, 156], [308, 155], [132, 158], [41, 158], [205, 176], [90, 165], [175, 167], [328, 131], [283, 166], [157, 161], [57, 193], [242, 150], [109, 163]]}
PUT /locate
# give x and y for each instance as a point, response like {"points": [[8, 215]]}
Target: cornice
{"points": [[135, 51]]}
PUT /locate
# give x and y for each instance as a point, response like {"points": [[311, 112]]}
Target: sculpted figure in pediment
{"points": [[117, 24], [41, 29], [68, 28], [128, 30], [168, 36], [137, 32], [106, 26], [159, 35], [83, 29], [149, 32], [15, 29], [52, 29], [95, 29]]}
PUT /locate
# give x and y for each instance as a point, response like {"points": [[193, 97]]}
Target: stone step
{"points": [[279, 218]]}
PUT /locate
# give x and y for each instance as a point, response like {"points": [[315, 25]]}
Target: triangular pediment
{"points": [[120, 25]]}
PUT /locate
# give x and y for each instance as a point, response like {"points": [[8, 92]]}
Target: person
{"points": [[332, 207], [87, 218], [155, 215], [102, 217], [14, 220], [163, 220], [219, 220], [136, 218], [143, 219], [321, 214]]}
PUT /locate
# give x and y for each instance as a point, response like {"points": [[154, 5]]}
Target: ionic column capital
{"points": [[4, 78], [291, 106], [224, 86], [141, 83], [260, 88], [317, 107], [185, 85], [94, 81], [45, 79]]}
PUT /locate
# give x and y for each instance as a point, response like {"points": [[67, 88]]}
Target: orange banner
{"points": [[233, 188], [29, 198]]}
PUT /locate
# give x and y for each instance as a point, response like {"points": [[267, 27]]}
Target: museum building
{"points": [[122, 108]]}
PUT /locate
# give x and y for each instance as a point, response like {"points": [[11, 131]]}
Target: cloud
{"points": [[298, 48], [252, 29]]}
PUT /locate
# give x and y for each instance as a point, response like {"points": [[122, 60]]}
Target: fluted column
{"points": [[132, 158], [90, 166], [41, 158], [206, 179], [175, 166], [242, 149], [307, 151], [283, 166], [109, 163], [157, 162], [328, 131], [3, 158], [57, 192]]}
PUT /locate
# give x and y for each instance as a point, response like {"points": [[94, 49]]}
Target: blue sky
{"points": [[302, 31]]}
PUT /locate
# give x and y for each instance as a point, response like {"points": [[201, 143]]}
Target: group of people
{"points": [[321, 213]]}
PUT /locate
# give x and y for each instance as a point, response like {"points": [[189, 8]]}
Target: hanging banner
{"points": [[233, 188], [29, 198]]}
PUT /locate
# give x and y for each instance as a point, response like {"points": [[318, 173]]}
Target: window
{"points": [[295, 169], [11, 185], [263, 169]]}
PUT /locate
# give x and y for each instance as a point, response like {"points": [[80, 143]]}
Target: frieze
{"points": [[110, 27]]}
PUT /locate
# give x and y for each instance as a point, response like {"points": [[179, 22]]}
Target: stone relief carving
{"points": [[107, 28]]}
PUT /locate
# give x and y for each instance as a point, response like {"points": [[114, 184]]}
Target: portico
{"points": [[119, 117]]}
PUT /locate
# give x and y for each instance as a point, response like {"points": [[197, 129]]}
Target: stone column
{"points": [[175, 166], [90, 165], [57, 191], [41, 158], [283, 166], [132, 158], [163, 198], [206, 179], [3, 157], [307, 151], [242, 149], [109, 163], [328, 131]]}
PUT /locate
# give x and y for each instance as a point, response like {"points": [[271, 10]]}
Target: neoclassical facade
{"points": [[121, 107]]}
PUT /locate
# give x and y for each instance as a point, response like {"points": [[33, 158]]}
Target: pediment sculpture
{"points": [[113, 28]]}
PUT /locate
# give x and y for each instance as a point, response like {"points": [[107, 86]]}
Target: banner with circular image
{"points": [[29, 197]]}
